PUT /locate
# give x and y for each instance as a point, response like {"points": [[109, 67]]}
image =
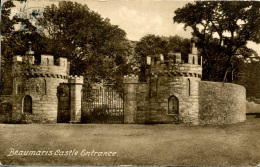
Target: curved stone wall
{"points": [[221, 103], [162, 88], [43, 91]]}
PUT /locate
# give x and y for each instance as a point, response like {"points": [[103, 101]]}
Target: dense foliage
{"points": [[95, 48], [223, 29]]}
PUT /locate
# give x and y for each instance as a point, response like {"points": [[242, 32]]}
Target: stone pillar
{"points": [[194, 100], [75, 84], [130, 100]]}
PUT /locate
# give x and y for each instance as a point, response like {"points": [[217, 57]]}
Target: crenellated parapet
{"points": [[174, 65], [131, 78], [25, 65], [75, 79]]}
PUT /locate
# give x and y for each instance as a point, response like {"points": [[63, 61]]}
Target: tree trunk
{"points": [[227, 66]]}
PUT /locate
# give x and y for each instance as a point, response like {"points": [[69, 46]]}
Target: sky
{"points": [[137, 18]]}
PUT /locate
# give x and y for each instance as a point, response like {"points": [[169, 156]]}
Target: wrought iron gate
{"points": [[103, 106]]}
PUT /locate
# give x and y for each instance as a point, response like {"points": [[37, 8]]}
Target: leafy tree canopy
{"points": [[6, 22], [223, 29], [95, 48], [12, 43]]}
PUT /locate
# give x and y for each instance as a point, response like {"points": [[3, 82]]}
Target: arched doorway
{"points": [[27, 104], [64, 112], [173, 105]]}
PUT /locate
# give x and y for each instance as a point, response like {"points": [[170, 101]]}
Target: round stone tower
{"points": [[174, 88], [35, 87]]}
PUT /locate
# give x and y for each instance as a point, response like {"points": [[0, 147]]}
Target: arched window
{"points": [[37, 88], [193, 60], [189, 86], [174, 59], [19, 88], [173, 105], [27, 104], [44, 87]]}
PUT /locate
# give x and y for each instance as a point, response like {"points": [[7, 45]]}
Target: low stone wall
{"points": [[252, 107], [221, 103]]}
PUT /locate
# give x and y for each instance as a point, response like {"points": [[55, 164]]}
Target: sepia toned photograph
{"points": [[130, 83]]}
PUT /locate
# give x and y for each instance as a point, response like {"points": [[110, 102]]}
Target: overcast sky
{"points": [[138, 18]]}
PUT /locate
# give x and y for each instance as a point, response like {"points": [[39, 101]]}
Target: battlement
{"points": [[46, 60], [131, 78], [174, 65], [76, 79], [173, 58], [45, 67], [155, 59], [186, 70]]}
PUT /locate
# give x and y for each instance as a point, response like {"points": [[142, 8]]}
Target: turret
{"points": [[193, 57], [29, 55]]}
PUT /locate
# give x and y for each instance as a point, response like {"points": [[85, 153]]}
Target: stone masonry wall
{"points": [[221, 103], [162, 87], [173, 79], [142, 103], [43, 91]]}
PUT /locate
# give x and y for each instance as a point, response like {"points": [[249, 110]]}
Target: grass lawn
{"points": [[223, 145]]}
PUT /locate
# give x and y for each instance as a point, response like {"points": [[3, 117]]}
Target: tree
{"points": [[152, 45], [95, 48], [6, 22], [250, 79], [15, 42], [7, 28], [223, 29]]}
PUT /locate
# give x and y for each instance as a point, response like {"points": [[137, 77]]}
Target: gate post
{"points": [[130, 103], [75, 84]]}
